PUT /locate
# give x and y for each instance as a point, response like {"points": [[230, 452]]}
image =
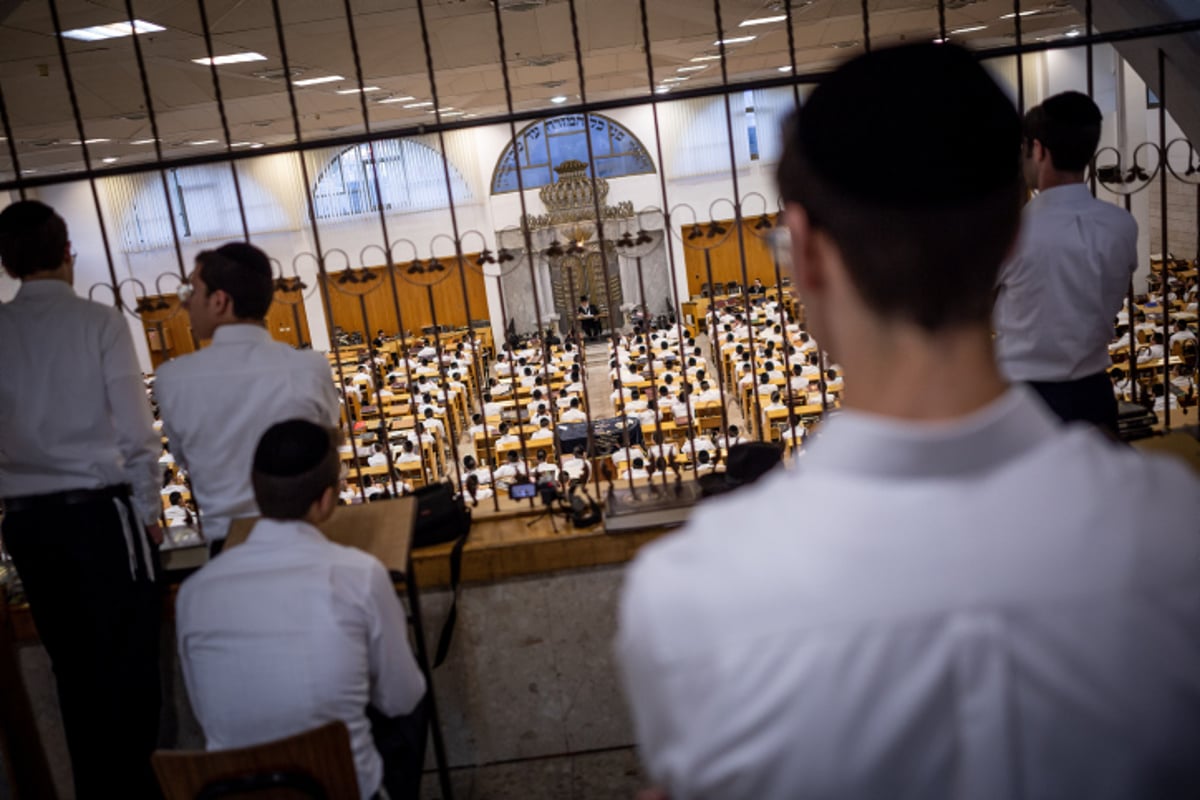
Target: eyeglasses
{"points": [[185, 291]]}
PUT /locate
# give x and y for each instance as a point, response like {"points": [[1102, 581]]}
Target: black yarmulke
{"points": [[918, 124], [291, 448]]}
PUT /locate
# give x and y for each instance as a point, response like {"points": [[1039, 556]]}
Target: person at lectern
{"points": [[589, 317]]}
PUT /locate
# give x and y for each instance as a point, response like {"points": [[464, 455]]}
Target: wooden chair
{"points": [[314, 764]]}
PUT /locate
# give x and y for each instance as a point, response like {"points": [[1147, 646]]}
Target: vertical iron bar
{"points": [[667, 229], [612, 328], [741, 234], [87, 158], [866, 25], [322, 273], [526, 233], [11, 138], [1020, 56], [162, 173], [1164, 287], [212, 68]]}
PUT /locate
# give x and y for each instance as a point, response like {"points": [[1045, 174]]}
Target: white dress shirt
{"points": [[73, 408], [995, 607], [289, 631], [1059, 292], [217, 402]]}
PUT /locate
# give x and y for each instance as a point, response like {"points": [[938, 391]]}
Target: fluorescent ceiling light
{"points": [[404, 99], [470, 116], [419, 105], [1073, 34], [706, 58], [453, 114], [242, 144], [763, 21], [970, 29], [788, 68], [110, 160], [442, 110], [231, 58], [203, 141], [91, 141], [675, 79], [315, 81], [114, 30], [356, 91], [691, 69], [559, 99], [144, 141], [735, 40], [662, 89], [28, 171], [1023, 14], [256, 145]]}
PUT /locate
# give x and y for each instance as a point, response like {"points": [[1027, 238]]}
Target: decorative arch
{"points": [[411, 178], [542, 145]]}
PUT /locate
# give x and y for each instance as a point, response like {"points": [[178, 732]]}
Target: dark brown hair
{"points": [[33, 238], [243, 272]]}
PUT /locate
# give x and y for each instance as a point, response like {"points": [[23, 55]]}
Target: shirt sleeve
{"points": [[641, 676], [396, 681], [131, 418]]}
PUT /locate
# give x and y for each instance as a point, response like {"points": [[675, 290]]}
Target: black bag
{"points": [[442, 517]]}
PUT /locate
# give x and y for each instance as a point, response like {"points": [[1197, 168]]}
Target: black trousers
{"points": [[1088, 399], [591, 328], [97, 612], [401, 744]]}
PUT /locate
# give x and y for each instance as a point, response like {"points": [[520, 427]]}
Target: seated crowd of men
{"points": [[1155, 352]]}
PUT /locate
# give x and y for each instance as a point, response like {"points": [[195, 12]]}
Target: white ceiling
{"points": [[465, 57]]}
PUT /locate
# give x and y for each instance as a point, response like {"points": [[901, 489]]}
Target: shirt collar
{"points": [[282, 531], [240, 332], [45, 288], [1068, 194], [878, 446]]}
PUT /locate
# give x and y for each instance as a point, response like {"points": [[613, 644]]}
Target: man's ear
{"points": [[806, 267]]}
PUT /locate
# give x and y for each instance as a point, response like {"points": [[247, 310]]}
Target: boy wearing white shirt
{"points": [[235, 618], [217, 402], [574, 413], [79, 481], [1039, 612]]}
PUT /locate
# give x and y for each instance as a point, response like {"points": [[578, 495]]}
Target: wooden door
{"points": [[168, 330]]}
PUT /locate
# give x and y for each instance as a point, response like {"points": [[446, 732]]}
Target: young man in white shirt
{"points": [[252, 674], [378, 457], [217, 402], [1058, 294], [955, 595], [79, 480], [573, 413]]}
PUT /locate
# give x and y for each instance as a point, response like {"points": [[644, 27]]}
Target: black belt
{"points": [[71, 497]]}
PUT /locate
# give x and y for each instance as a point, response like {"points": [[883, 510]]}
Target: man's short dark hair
{"points": [[243, 272], [1068, 125], [295, 462], [33, 238], [925, 220]]}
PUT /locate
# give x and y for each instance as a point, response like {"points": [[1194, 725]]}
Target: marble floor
{"points": [[599, 775]]}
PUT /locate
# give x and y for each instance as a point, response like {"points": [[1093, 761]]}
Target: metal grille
{"points": [[414, 272]]}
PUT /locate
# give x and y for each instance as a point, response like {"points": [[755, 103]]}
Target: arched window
{"points": [[411, 178], [545, 144]]}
